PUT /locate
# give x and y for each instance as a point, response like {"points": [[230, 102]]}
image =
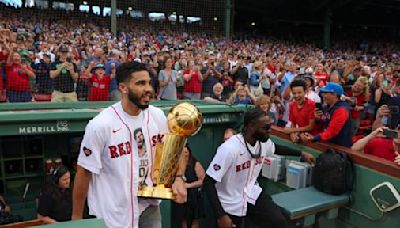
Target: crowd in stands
{"points": [[332, 95]]}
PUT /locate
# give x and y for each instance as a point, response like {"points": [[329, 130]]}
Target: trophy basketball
{"points": [[184, 120]]}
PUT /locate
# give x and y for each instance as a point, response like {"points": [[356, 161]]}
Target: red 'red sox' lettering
{"points": [[120, 150], [247, 164], [157, 139]]}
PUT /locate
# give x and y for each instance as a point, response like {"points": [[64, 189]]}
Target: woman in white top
{"points": [[311, 94]]}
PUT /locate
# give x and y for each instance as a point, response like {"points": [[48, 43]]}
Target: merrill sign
{"points": [[223, 118], [61, 126]]}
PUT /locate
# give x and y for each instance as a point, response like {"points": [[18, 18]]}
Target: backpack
{"points": [[334, 173]]}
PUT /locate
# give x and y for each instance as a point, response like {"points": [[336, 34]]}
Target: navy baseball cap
{"points": [[99, 65], [63, 48], [332, 87]]}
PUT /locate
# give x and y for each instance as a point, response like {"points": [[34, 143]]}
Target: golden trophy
{"points": [[184, 120]]}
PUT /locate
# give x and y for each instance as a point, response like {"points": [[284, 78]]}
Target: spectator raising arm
{"points": [[360, 144]]}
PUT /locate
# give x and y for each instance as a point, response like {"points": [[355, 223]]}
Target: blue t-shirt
{"points": [[113, 85], [254, 78], [246, 101]]}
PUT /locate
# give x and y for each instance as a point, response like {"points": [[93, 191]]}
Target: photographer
{"points": [[55, 200], [64, 73], [5, 216]]}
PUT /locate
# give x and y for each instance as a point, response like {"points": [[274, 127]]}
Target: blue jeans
{"points": [[191, 96], [17, 96]]}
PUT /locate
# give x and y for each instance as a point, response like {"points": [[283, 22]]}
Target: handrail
{"points": [[94, 105], [370, 161]]}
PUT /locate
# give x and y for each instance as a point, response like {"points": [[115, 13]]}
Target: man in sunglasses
{"points": [[231, 181]]}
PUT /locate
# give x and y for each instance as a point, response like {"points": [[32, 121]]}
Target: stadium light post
{"points": [[227, 23], [327, 28], [114, 17]]}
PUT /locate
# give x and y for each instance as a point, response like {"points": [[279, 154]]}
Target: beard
{"points": [[261, 137], [135, 99]]}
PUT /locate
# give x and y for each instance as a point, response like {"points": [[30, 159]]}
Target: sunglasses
{"points": [[267, 127]]}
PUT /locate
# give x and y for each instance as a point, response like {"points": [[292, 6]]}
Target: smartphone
{"points": [[353, 101], [393, 134], [394, 109], [319, 106]]}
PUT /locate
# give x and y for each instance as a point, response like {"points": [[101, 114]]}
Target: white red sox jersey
{"points": [[109, 151], [236, 173]]}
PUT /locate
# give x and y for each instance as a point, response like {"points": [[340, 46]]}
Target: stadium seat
{"points": [[42, 97], [3, 96], [304, 204]]}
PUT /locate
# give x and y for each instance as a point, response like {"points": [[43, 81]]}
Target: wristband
{"points": [[182, 177]]}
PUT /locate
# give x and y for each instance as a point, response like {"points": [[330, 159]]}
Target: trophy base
{"points": [[158, 192]]}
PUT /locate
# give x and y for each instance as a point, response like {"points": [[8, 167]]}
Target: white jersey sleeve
{"points": [[160, 119], [92, 147], [222, 161]]}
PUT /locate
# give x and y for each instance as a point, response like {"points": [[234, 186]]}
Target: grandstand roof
{"points": [[351, 12]]}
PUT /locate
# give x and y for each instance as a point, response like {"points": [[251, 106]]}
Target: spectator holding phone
{"points": [[357, 96], [382, 142], [64, 73], [192, 81], [337, 121], [382, 94], [387, 116]]}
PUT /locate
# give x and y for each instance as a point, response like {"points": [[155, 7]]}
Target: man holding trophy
{"points": [[184, 120], [110, 172]]}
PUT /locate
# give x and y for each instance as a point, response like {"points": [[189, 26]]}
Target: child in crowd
{"points": [[100, 83]]}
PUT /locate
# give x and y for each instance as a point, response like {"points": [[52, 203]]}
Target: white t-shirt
{"points": [[109, 151], [154, 128], [236, 173], [313, 96]]}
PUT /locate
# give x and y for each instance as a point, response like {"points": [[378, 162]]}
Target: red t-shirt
{"points": [[271, 68], [301, 116], [3, 57], [380, 147], [323, 77], [99, 90], [1, 80], [193, 85], [360, 102], [17, 79]]}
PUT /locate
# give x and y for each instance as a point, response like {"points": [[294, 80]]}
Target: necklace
{"points": [[258, 155]]}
